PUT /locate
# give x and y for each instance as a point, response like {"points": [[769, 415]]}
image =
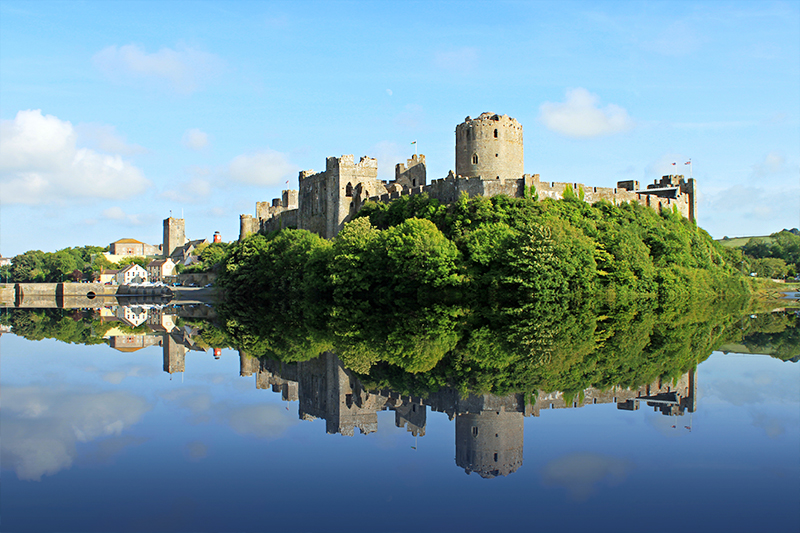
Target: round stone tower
{"points": [[489, 146], [490, 442]]}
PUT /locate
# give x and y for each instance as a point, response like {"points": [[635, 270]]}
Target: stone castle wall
{"points": [[489, 162], [412, 173]]}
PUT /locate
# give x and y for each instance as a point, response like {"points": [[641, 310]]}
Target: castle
{"points": [[489, 162]]}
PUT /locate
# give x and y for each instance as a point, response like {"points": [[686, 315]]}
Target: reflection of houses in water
{"points": [[489, 428], [175, 341]]}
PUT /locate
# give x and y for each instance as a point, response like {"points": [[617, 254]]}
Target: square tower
{"points": [[174, 235]]}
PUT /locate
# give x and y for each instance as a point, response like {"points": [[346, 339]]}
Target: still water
{"points": [[150, 431]]}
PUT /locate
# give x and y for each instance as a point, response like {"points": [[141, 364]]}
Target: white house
{"points": [[108, 276], [158, 269], [132, 273]]}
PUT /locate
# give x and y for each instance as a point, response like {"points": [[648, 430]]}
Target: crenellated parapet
{"points": [[448, 190], [412, 173], [489, 162]]}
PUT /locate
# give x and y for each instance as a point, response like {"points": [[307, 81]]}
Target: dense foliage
{"points": [[486, 294], [776, 256], [69, 264], [209, 256], [72, 326]]}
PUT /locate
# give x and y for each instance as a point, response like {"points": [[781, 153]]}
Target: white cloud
{"points": [[773, 163], [104, 137], [40, 162], [746, 210], [580, 117], [262, 168], [119, 214], [42, 426], [183, 68], [195, 139], [196, 189]]}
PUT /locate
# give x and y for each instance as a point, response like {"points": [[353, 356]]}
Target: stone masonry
{"points": [[489, 162]]}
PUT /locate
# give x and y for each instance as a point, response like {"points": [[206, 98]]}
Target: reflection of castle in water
{"points": [[489, 428]]}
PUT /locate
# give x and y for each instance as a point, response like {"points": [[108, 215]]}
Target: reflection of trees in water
{"points": [[550, 346], [776, 334]]}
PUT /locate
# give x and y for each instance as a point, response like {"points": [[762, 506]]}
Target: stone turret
{"points": [[489, 147]]}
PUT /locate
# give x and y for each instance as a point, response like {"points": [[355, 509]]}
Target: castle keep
{"points": [[489, 162]]}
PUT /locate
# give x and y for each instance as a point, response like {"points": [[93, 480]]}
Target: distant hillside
{"points": [[738, 242]]}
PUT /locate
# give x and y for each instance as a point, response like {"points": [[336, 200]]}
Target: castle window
{"points": [[474, 431], [348, 190], [474, 159], [495, 134]]}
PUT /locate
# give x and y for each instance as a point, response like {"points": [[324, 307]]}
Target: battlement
{"points": [[490, 119], [489, 162], [411, 174], [348, 160]]}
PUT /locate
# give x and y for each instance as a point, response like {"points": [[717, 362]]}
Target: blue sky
{"points": [[115, 114]]}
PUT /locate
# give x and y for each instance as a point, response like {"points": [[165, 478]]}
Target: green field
{"points": [[738, 242]]}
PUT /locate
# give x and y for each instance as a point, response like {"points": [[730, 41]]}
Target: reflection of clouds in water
{"points": [[196, 450], [773, 427], [42, 426], [263, 421], [580, 472], [195, 399], [743, 380], [106, 449], [116, 377], [266, 421]]}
